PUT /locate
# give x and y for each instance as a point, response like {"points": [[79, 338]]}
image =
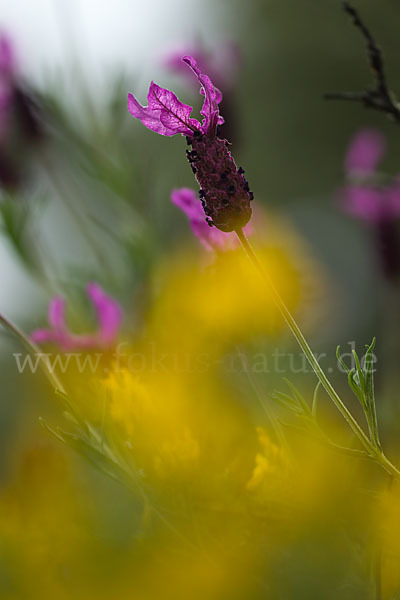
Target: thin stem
{"points": [[374, 452], [379, 97], [33, 349]]}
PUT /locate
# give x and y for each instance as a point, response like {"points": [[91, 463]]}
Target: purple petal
{"points": [[365, 151], [109, 313], [211, 237], [172, 59], [7, 56], [187, 200], [363, 202], [212, 97], [165, 114], [63, 339], [58, 332], [42, 336], [56, 314]]}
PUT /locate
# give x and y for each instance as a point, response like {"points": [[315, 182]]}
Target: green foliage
{"points": [[306, 418], [361, 382]]}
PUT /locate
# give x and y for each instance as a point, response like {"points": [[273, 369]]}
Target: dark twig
{"points": [[379, 97]]}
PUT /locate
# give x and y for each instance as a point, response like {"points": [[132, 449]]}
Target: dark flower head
{"points": [[226, 195]]}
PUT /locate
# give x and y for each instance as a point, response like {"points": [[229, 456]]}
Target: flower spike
{"points": [[226, 194]]}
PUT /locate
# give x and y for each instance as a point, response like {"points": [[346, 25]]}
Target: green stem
{"points": [[374, 452], [35, 350]]}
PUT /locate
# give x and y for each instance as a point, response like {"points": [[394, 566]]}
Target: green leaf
{"points": [[297, 395], [286, 401], [360, 373], [315, 400], [340, 360], [353, 383]]}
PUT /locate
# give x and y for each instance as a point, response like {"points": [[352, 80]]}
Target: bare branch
{"points": [[380, 97]]}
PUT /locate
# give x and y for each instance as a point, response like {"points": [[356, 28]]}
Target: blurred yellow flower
{"points": [[270, 463], [227, 302]]}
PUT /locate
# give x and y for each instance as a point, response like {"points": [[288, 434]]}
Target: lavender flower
{"points": [[364, 152], [109, 314], [370, 198], [365, 196], [224, 193]]}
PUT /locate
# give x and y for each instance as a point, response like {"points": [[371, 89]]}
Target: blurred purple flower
{"points": [[109, 315], [7, 56], [212, 239], [364, 152], [222, 64], [369, 198], [372, 204], [224, 191], [20, 127], [364, 196], [7, 72]]}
